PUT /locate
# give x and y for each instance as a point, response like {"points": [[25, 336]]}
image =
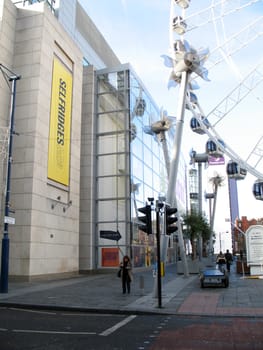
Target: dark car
{"points": [[214, 277]]}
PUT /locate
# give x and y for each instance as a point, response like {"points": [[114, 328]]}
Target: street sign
{"points": [[254, 243], [9, 220], [216, 160], [112, 235]]}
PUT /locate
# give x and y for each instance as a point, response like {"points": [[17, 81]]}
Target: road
{"points": [[55, 330]]}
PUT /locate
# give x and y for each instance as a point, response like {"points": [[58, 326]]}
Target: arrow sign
{"points": [[113, 235]]}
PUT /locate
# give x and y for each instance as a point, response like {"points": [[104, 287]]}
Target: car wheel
{"points": [[226, 282]]}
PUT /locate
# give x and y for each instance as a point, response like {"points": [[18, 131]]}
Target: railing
{"points": [[51, 3]]}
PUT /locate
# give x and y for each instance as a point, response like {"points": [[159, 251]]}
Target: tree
{"points": [[196, 225], [217, 181]]}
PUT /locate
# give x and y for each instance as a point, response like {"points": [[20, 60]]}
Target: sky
{"points": [[139, 33]]}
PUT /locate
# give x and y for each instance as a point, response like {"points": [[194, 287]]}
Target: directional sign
{"points": [[112, 235], [9, 220]]}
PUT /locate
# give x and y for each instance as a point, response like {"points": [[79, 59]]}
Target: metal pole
{"points": [[5, 239], [200, 208], [159, 282], [171, 192], [243, 269], [213, 221]]}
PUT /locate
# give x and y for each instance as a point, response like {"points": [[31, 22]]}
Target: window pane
{"points": [[111, 122], [107, 165], [111, 187]]}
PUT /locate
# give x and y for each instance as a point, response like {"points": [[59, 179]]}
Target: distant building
{"points": [[243, 224]]}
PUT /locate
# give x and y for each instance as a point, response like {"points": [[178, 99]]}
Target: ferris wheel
{"points": [[214, 39]]}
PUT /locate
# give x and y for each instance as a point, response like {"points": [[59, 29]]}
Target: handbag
{"points": [[119, 273]]}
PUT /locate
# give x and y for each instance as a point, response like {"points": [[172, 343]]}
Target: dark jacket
{"points": [[126, 270]]}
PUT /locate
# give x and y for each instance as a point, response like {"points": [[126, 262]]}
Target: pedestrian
{"points": [[229, 259], [220, 260], [126, 274], [241, 254]]}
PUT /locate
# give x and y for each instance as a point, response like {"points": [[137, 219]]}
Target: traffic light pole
{"points": [[159, 280]]}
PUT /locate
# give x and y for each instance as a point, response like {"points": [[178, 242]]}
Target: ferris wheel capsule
{"points": [[234, 171], [196, 127], [133, 131], [183, 3], [258, 189], [140, 106], [179, 25], [192, 99], [213, 149]]}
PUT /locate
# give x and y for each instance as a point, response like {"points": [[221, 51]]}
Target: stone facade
{"points": [[45, 237]]}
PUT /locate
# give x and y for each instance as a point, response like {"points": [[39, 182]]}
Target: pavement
{"points": [[102, 293]]}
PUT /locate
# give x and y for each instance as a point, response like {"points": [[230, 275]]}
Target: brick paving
{"points": [[200, 303], [230, 334]]}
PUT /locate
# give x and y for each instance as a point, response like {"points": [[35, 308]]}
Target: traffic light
{"points": [[170, 219], [146, 219]]}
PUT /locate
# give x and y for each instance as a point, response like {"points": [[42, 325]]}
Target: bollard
{"points": [[142, 285]]}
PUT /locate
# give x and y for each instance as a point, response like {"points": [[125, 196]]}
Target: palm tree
{"points": [[196, 225], [217, 181]]}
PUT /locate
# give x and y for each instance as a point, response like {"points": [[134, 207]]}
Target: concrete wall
{"points": [[7, 39], [88, 164], [86, 35], [100, 53], [45, 238], [50, 235]]}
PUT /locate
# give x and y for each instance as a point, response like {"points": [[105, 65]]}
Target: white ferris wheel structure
{"points": [[227, 36]]}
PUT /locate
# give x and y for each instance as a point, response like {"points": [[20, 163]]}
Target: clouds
{"points": [[124, 4]]}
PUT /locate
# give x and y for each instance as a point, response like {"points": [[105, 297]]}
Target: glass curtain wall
{"points": [[112, 237], [130, 167]]}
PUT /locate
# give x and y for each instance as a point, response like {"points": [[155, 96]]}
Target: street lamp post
{"points": [[159, 279], [5, 240]]}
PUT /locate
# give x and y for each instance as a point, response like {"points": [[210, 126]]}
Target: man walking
{"points": [[229, 260]]}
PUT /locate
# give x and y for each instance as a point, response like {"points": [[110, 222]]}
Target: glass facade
{"points": [[131, 166]]}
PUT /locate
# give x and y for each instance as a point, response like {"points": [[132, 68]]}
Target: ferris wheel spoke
{"points": [[219, 112], [214, 12], [226, 48], [236, 42], [246, 86], [230, 46], [257, 153], [218, 140], [233, 45]]}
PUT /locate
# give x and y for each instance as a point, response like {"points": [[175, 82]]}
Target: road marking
{"points": [[3, 330], [51, 332], [85, 314], [117, 326], [33, 311]]}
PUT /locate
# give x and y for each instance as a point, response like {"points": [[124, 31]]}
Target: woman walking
{"points": [[126, 274]]}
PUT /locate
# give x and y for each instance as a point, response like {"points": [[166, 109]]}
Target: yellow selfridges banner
{"points": [[60, 124]]}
